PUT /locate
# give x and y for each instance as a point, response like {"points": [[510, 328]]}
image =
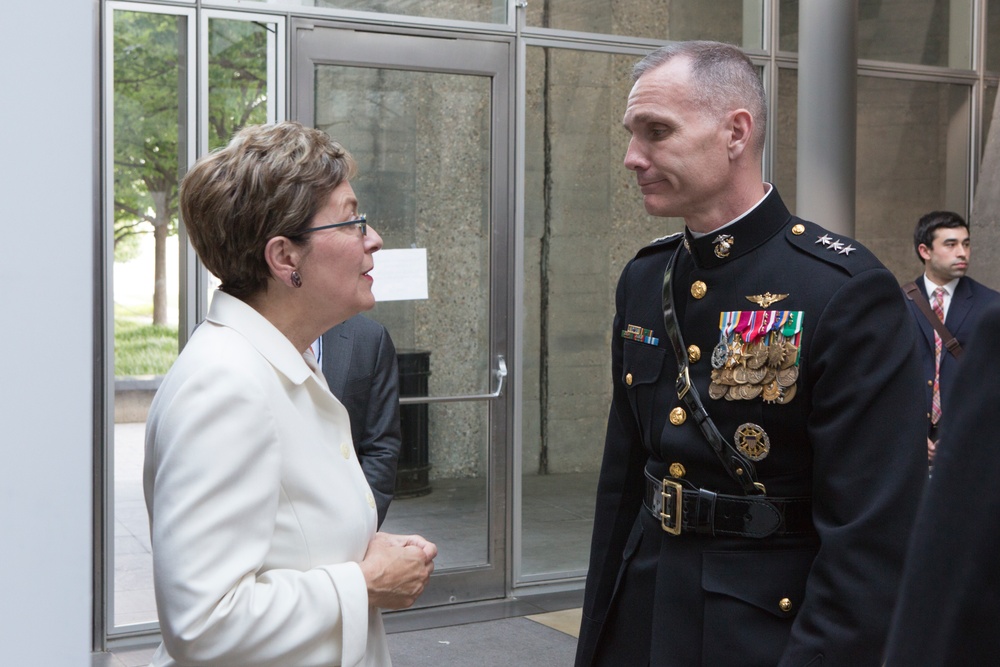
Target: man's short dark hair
{"points": [[930, 223]]}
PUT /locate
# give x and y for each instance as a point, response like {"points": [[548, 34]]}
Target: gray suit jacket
{"points": [[359, 362]]}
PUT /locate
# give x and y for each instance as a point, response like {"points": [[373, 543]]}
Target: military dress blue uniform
{"points": [[841, 435]]}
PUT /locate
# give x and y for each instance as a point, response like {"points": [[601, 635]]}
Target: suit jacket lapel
{"points": [[961, 305], [337, 347]]}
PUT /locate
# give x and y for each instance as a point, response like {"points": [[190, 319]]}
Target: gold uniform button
{"points": [[371, 499], [930, 383], [694, 353], [698, 289], [678, 416], [628, 379], [677, 470], [798, 230], [345, 449], [784, 604]]}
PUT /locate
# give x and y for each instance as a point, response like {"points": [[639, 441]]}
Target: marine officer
{"points": [[762, 461]]}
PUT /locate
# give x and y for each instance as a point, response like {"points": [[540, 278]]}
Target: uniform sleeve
{"points": [[867, 431], [212, 483], [619, 495], [378, 448]]}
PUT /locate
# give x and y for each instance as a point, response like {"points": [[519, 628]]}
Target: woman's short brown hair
{"points": [[269, 181]]}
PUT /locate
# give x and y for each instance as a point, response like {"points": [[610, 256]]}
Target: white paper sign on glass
{"points": [[400, 274]]}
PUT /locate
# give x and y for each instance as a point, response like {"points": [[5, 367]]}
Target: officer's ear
{"points": [[740, 128]]}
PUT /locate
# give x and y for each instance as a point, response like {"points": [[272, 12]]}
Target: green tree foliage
{"points": [[150, 119]]}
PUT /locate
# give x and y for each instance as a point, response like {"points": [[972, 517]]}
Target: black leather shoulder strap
{"points": [[738, 467]]}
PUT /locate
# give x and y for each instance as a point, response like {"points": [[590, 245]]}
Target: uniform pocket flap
{"points": [[641, 363], [774, 581]]}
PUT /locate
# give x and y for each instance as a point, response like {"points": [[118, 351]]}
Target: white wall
{"points": [[48, 88]]}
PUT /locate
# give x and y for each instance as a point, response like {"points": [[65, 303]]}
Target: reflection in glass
{"points": [[423, 145], [583, 221], [733, 21]]}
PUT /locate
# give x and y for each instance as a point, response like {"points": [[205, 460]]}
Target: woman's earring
{"points": [[296, 279]]}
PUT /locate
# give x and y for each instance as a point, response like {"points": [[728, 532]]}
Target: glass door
{"points": [[428, 119]]}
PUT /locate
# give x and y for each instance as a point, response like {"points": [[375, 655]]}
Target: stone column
{"points": [[827, 113], [984, 223]]}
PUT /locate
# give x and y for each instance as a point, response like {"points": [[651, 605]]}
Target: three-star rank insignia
{"points": [[836, 245]]}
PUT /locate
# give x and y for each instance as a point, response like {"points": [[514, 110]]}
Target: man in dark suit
{"points": [[941, 239], [949, 602], [760, 474], [359, 362]]}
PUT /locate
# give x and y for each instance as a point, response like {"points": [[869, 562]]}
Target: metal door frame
{"points": [[332, 43]]}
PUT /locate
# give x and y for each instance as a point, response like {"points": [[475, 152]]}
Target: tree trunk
{"points": [[160, 229]]}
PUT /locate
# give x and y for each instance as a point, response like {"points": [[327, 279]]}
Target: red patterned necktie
{"points": [[938, 305]]}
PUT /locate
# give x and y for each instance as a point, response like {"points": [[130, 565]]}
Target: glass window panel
{"points": [[919, 32], [422, 142], [788, 27], [452, 507], [993, 35], [237, 77], [733, 21], [989, 108], [242, 64], [584, 219], [913, 149], [150, 155], [480, 11], [786, 136]]}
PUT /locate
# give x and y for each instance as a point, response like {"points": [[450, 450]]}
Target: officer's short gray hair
{"points": [[725, 79]]}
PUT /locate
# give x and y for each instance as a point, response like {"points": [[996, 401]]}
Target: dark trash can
{"points": [[413, 471]]}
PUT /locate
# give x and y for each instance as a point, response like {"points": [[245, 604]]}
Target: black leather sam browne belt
{"points": [[682, 508]]}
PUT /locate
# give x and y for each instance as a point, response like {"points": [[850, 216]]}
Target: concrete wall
{"points": [[47, 142]]}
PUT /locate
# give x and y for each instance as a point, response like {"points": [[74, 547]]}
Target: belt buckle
{"points": [[683, 382], [671, 521]]}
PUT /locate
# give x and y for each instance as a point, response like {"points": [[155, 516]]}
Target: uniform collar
{"points": [[228, 311], [740, 237]]}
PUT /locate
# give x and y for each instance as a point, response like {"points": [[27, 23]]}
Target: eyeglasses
{"points": [[361, 221]]}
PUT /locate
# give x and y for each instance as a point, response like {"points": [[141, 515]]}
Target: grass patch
{"points": [[142, 348]]}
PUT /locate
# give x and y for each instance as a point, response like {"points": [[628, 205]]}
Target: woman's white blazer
{"points": [[259, 512]]}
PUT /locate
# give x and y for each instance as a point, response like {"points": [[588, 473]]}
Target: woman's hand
{"points": [[396, 569]]}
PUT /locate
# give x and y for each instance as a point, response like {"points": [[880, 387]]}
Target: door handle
{"points": [[500, 372]]}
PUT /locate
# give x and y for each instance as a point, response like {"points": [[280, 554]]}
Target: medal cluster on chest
{"points": [[757, 355]]}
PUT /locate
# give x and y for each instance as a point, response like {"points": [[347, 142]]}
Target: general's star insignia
{"points": [[766, 299], [836, 245], [848, 249], [825, 240]]}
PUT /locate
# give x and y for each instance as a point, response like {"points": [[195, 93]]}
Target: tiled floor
{"points": [[557, 515]]}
